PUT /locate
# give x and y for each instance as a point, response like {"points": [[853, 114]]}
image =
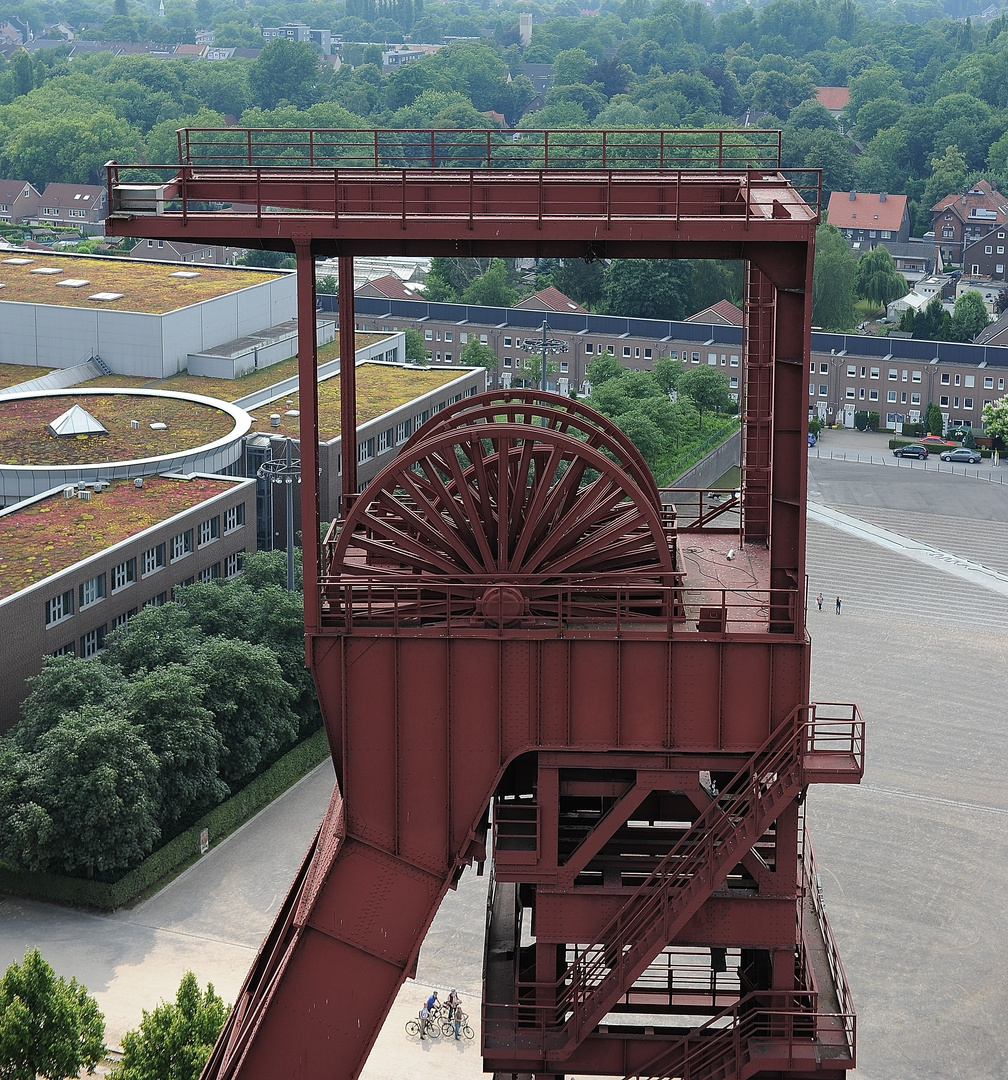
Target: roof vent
{"points": [[882, 197], [853, 195]]}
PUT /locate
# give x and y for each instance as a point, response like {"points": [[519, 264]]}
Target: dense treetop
{"points": [[928, 80]]}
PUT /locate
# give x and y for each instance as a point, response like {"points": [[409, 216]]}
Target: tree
{"points": [[415, 347], [995, 420], [493, 288], [667, 372], [833, 280], [49, 1027], [707, 388], [285, 71], [877, 278], [63, 685], [476, 354], [643, 432], [648, 288], [934, 421], [603, 369], [1001, 303], [88, 800], [969, 316], [174, 1041], [580, 280], [153, 638]]}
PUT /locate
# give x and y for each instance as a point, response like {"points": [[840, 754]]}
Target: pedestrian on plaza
{"points": [[818, 600], [838, 605]]}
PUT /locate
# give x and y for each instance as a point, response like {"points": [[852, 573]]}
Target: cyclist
{"points": [[426, 1013], [455, 1010]]}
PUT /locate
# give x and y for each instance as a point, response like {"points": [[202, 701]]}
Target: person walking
{"points": [[838, 605], [818, 600]]}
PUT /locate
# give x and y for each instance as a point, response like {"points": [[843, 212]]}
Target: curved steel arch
{"points": [[503, 501], [560, 412]]}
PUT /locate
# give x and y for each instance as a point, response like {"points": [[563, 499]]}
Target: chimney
{"points": [[853, 195], [882, 197]]}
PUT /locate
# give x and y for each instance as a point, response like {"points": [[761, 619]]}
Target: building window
{"points": [[873, 395], [92, 591], [892, 396], [851, 371], [969, 380], [507, 361], [874, 374], [903, 398], [824, 369], [850, 392], [447, 357], [124, 574], [999, 269], [157, 601], [733, 382], [483, 339], [365, 451], [626, 351], [92, 643], [861, 394], [957, 378], [124, 618], [208, 574], [463, 337], [59, 608], [1000, 384], [988, 383], [611, 350], [589, 347], [915, 399], [428, 335], [647, 354], [70, 649], [967, 403], [233, 564], [153, 559], [943, 401], [384, 440], [955, 403], [893, 374], [988, 250], [182, 545], [823, 389], [946, 378], [507, 341], [209, 531], [915, 376], [403, 431], [811, 389], [235, 517], [733, 360]]}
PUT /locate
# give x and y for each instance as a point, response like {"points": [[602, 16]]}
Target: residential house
{"points": [[960, 220], [387, 286], [986, 257], [19, 201], [914, 259], [551, 299], [81, 205], [176, 251], [398, 55], [834, 99], [869, 220], [723, 313]]}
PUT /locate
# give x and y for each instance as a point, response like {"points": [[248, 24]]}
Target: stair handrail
{"points": [[716, 824]]}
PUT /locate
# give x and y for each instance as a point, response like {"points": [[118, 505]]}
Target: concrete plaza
{"points": [[914, 862]]}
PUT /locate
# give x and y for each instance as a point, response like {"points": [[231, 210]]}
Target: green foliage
{"points": [[492, 288], [861, 420], [415, 347], [995, 420], [476, 354], [580, 280], [603, 369], [49, 1028], [934, 420], [285, 71], [877, 278], [174, 1041], [969, 316], [833, 278], [667, 372], [648, 288], [707, 388]]}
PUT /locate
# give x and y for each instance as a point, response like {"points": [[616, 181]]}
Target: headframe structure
{"points": [[525, 651]]}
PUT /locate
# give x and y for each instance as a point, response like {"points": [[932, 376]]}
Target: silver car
{"points": [[962, 453]]}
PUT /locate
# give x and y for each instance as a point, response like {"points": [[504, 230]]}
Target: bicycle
{"points": [[448, 1027], [432, 1029]]}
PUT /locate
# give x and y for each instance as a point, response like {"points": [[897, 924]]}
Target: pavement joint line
{"points": [[917, 796], [196, 937], [974, 572]]}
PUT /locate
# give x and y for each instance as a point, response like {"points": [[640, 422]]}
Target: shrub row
{"points": [[167, 861]]}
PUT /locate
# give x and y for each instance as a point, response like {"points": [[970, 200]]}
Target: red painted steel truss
{"points": [[521, 644]]}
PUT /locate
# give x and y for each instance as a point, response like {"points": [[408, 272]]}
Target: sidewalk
{"points": [[872, 448]]}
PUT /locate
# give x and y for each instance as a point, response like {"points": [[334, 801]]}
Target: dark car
{"points": [[913, 449], [962, 453]]}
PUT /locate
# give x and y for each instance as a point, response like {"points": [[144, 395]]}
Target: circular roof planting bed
{"points": [[147, 431], [137, 426]]}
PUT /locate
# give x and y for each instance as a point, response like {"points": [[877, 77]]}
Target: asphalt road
{"points": [[914, 862]]}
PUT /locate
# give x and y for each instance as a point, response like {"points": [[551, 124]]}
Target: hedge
{"points": [[179, 852]]}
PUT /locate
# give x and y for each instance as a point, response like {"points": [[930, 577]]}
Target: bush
{"points": [[873, 421], [861, 420]]}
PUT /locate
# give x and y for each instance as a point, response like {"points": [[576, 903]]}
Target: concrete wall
{"points": [[714, 465], [261, 352], [24, 639]]}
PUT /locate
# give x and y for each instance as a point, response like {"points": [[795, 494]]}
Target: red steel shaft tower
{"points": [[524, 650]]}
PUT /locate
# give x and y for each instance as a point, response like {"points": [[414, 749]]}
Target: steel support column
{"points": [[308, 422], [348, 383]]}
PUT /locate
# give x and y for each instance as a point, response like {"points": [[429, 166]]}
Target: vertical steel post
{"points": [[308, 421], [348, 382], [289, 483]]}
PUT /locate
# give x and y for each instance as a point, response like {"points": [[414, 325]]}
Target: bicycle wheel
{"points": [[467, 1031], [434, 1029], [412, 1028], [448, 1028]]}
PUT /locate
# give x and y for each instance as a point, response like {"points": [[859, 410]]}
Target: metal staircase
{"points": [[692, 870]]}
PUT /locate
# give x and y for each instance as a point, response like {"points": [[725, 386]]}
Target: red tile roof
{"points": [[724, 312], [982, 196], [389, 286], [834, 98], [551, 299], [866, 211]]}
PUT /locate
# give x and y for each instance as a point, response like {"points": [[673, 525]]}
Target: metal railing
{"points": [[341, 148]]}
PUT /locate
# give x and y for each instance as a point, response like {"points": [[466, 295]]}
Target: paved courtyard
{"points": [[914, 862]]}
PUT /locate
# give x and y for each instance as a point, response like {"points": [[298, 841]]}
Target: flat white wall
{"points": [[130, 342]]}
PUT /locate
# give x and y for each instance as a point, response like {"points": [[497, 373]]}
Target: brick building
{"points": [[960, 220]]}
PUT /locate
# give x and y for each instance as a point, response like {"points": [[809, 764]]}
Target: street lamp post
{"points": [[545, 346], [286, 471]]}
